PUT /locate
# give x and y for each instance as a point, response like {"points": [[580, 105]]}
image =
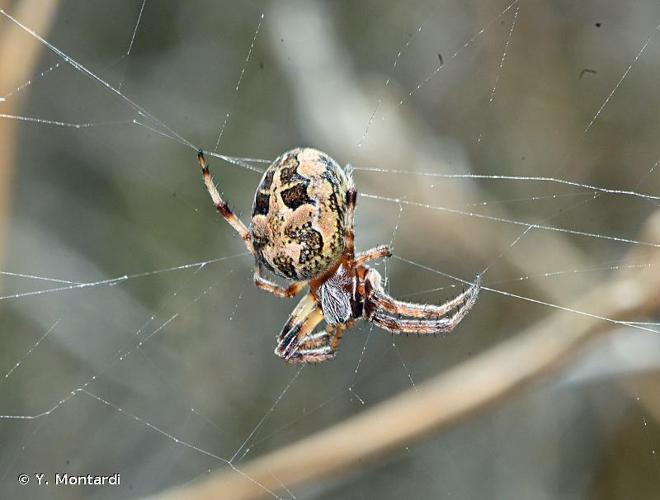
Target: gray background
{"points": [[111, 200]]}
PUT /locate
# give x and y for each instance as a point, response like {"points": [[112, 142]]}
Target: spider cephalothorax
{"points": [[302, 230]]}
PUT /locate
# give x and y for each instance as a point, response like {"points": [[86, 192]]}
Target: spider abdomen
{"points": [[299, 214]]}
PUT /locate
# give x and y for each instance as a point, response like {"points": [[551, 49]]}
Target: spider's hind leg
{"points": [[279, 291], [373, 254], [351, 200], [221, 205]]}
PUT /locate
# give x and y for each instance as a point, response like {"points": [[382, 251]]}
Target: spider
{"points": [[302, 230]]}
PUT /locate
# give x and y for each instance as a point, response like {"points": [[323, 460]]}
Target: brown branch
{"points": [[449, 397], [19, 54]]}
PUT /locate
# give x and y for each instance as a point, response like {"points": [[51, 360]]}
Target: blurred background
{"points": [[531, 88]]}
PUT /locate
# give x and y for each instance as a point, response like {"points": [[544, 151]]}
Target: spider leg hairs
{"points": [[302, 229]]}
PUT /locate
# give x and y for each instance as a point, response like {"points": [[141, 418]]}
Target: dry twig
{"points": [[449, 397], [18, 59]]}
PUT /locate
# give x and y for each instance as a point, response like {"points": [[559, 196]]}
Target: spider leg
{"points": [[377, 296], [321, 346], [383, 310], [420, 326], [279, 291], [221, 205], [297, 343], [372, 254], [336, 332], [351, 200]]}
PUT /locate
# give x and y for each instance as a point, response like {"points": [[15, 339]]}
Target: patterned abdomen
{"points": [[299, 214]]}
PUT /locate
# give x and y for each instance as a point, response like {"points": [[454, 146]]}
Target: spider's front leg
{"points": [[221, 205], [297, 343]]}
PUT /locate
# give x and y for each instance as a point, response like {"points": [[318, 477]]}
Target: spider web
{"points": [[516, 139]]}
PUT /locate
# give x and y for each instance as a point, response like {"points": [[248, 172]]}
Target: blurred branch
{"points": [[18, 58], [450, 397], [334, 110]]}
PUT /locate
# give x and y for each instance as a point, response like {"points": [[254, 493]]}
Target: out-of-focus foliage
{"points": [[108, 200]]}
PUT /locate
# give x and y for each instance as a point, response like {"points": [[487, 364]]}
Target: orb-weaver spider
{"points": [[302, 230]]}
